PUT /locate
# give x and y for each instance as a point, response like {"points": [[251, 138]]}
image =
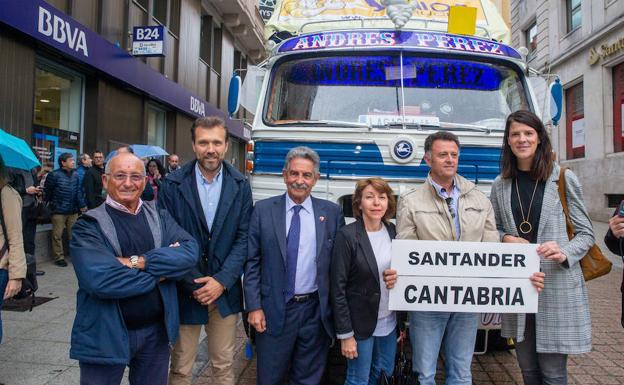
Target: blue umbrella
{"points": [[142, 151], [147, 151], [16, 152]]}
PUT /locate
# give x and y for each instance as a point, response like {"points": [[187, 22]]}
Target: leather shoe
{"points": [[61, 263]]}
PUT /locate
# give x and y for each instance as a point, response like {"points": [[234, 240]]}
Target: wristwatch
{"points": [[134, 261]]}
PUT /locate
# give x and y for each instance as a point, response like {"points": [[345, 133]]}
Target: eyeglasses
{"points": [[449, 204], [135, 178]]}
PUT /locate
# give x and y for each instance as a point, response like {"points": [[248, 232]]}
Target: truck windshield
{"points": [[383, 90]]}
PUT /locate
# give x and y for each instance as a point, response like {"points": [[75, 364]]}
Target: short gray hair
{"points": [[83, 156], [107, 167], [305, 153]]}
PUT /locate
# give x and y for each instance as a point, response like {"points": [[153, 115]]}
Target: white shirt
{"points": [[305, 279], [381, 244], [118, 206]]}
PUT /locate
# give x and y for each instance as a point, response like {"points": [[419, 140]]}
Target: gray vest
{"points": [[108, 228]]}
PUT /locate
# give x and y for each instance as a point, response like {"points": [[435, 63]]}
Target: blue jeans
{"points": [[4, 279], [149, 360], [374, 355], [458, 332]]}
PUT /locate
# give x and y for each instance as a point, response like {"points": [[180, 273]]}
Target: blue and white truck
{"points": [[365, 98]]}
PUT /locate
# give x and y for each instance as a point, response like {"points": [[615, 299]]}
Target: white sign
{"points": [[464, 276], [471, 295], [147, 48], [578, 133], [382, 120]]}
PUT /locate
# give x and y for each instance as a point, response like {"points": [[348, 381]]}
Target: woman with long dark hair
{"points": [[359, 298], [528, 210], [12, 257], [155, 173]]}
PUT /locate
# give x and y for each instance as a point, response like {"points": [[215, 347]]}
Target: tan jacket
{"points": [[423, 214], [15, 260]]}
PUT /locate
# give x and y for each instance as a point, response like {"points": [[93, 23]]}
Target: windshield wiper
{"points": [[409, 125], [465, 127], [335, 123]]}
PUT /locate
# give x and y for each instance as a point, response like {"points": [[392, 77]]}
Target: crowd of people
{"points": [[162, 252]]}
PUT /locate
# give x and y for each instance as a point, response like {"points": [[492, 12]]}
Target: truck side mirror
{"points": [[234, 95], [556, 101]]}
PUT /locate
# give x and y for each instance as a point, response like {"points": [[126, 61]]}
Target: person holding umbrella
{"points": [[12, 257]]}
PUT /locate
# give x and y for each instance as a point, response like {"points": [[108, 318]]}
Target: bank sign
{"points": [[397, 39], [51, 27], [470, 277], [148, 40]]}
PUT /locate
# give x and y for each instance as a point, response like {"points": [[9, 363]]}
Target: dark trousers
{"points": [[29, 229], [539, 368], [149, 361], [299, 352], [4, 280]]}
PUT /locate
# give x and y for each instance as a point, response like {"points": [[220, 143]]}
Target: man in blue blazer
{"points": [[212, 201], [287, 276]]}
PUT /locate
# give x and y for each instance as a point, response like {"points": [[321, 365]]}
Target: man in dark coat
{"points": [[615, 235], [212, 201], [92, 183], [62, 190], [287, 276], [173, 163], [614, 239], [127, 255], [27, 185]]}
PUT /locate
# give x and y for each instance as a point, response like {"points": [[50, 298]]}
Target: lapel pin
{"points": [[321, 218]]}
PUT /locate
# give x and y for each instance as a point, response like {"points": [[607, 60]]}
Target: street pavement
{"points": [[35, 346]]}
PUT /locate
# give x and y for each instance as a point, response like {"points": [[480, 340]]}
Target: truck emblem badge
{"points": [[402, 149]]}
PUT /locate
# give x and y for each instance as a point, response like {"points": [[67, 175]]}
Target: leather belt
{"points": [[304, 297]]}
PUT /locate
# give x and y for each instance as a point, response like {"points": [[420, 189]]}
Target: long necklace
{"points": [[525, 226]]}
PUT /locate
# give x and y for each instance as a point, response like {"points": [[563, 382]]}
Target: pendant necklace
{"points": [[525, 226]]}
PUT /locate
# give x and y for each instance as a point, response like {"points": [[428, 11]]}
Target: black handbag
{"points": [[29, 283], [42, 210], [402, 374]]}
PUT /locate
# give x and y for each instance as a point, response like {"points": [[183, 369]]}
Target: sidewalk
{"points": [[35, 348]]}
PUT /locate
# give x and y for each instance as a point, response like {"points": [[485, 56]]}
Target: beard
{"points": [[210, 164]]}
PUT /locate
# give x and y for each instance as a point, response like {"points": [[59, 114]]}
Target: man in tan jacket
{"points": [[447, 207]]}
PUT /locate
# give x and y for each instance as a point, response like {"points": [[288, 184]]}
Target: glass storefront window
{"points": [[156, 126], [57, 123]]}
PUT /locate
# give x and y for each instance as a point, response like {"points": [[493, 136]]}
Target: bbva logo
{"points": [[61, 31], [198, 107]]}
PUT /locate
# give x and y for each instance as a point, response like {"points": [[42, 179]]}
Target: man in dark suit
{"points": [[287, 276], [211, 200]]}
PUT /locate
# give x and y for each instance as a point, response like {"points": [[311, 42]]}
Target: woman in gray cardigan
{"points": [[527, 209]]}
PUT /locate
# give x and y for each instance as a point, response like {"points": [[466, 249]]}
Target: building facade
{"points": [[69, 83], [582, 41]]}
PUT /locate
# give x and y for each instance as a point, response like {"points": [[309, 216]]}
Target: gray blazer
{"points": [[562, 322]]}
